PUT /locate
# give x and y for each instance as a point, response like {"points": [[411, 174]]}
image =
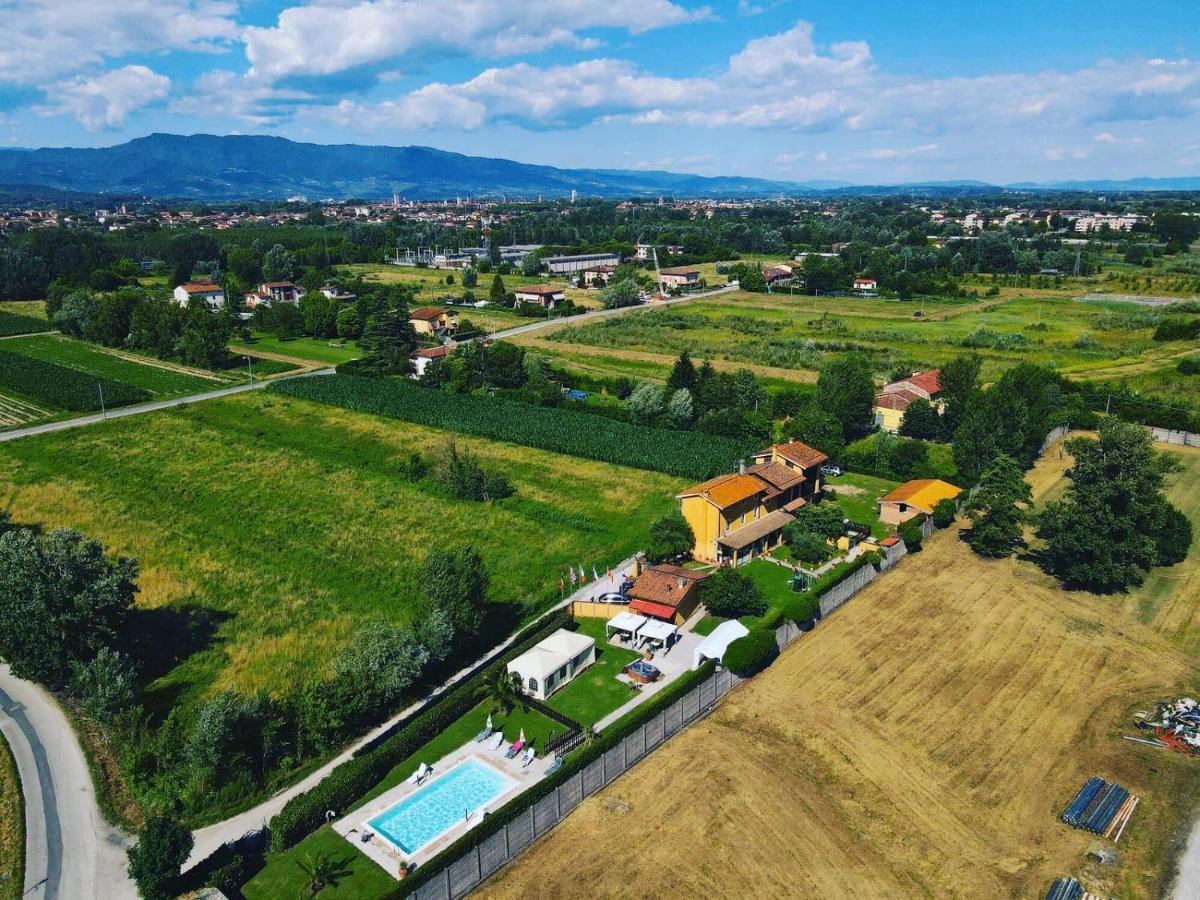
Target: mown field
{"points": [[920, 742], [431, 286], [12, 828], [270, 528]]}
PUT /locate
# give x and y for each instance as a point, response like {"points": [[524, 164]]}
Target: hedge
{"points": [[15, 323], [751, 653], [584, 757], [840, 573], [63, 387], [305, 812], [681, 453], [802, 609]]}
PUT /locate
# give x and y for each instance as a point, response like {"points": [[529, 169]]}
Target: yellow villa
{"points": [[738, 516]]}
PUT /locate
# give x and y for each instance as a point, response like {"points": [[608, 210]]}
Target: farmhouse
{"points": [[210, 293], [544, 295], [739, 516], [423, 357], [893, 400], [865, 287], [665, 592], [679, 277], [915, 498], [598, 275], [433, 321], [553, 662]]}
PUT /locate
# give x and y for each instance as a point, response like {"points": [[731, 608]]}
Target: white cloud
{"points": [[105, 101], [47, 39], [225, 93], [897, 152], [330, 37]]}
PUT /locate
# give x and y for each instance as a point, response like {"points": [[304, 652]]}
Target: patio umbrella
{"points": [[489, 722], [522, 735]]}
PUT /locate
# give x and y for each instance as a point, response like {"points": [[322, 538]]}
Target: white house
{"points": [[547, 295], [553, 662], [423, 357], [210, 293], [865, 287]]}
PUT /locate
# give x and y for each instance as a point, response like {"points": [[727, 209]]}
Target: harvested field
{"points": [[921, 742]]}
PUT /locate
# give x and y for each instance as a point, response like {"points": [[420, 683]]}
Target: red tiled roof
{"points": [[679, 270], [277, 284], [777, 475], [661, 584], [897, 400], [200, 287], [431, 352], [539, 289], [425, 313], [658, 610], [794, 451], [927, 381]]}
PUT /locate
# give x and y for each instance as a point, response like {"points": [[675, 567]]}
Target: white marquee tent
{"points": [[714, 646]]}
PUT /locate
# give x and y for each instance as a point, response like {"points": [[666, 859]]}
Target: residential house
{"points": [[282, 292], [548, 296], [666, 592], [891, 403], [434, 322], [865, 287], [423, 357], [333, 292], [780, 274], [643, 252], [679, 277], [211, 294], [915, 498], [553, 662], [739, 516], [598, 275]]}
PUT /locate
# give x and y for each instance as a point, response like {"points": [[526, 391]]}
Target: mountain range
{"points": [[211, 167]]}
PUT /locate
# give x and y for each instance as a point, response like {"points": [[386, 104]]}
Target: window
{"points": [[533, 685]]}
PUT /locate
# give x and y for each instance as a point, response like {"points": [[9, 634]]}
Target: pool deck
{"points": [[387, 855]]}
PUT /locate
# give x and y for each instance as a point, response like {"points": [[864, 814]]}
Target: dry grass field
{"points": [[919, 743]]}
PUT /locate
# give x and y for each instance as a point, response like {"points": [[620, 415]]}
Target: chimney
{"points": [[791, 440], [682, 581]]}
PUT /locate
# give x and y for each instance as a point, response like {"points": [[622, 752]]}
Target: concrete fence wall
{"points": [[1170, 436]]}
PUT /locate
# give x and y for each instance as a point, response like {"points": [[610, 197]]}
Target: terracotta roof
{"points": [[679, 270], [726, 490], [777, 475], [752, 531], [277, 284], [925, 381], [425, 313], [666, 584], [801, 454], [897, 400], [200, 287], [794, 505], [923, 493], [431, 352], [889, 541], [538, 289]]}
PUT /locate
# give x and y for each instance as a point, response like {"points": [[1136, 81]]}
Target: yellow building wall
{"points": [[888, 419], [706, 526], [421, 326], [586, 609]]}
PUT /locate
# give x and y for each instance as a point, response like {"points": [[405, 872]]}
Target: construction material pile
{"points": [[1068, 889], [1101, 808], [1176, 725]]}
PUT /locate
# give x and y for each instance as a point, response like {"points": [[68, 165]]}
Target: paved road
{"points": [[140, 408], [70, 851], [1187, 882], [539, 324], [209, 839]]}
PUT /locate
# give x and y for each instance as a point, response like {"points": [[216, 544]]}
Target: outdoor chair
{"points": [[514, 750]]}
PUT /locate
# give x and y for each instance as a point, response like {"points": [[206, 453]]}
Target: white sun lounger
{"points": [[496, 741], [528, 756], [417, 776]]}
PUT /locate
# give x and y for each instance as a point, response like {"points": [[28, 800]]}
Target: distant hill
{"points": [[239, 166]]}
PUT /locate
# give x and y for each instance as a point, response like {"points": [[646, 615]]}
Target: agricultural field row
{"points": [[431, 286]]}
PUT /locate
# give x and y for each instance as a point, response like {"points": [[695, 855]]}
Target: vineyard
{"points": [[684, 454], [63, 387], [15, 323]]}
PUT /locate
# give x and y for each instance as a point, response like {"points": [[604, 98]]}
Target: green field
{"points": [[314, 350], [858, 496], [269, 528], [431, 287]]}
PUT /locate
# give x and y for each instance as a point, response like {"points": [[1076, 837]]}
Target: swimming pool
{"points": [[441, 804]]}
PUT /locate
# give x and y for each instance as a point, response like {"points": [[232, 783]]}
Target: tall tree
{"points": [[995, 509], [846, 388], [497, 292], [670, 537], [921, 421], [278, 264], [154, 862], [455, 581], [958, 379], [683, 373]]}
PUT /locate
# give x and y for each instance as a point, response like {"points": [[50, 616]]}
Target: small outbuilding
{"points": [[915, 498], [714, 646], [553, 662]]}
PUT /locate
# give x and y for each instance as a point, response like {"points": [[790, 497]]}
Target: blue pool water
{"points": [[440, 805]]}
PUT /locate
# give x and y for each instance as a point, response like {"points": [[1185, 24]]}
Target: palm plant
{"points": [[323, 871], [504, 691]]}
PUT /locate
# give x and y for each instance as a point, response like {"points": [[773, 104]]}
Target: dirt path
{"points": [[305, 365]]}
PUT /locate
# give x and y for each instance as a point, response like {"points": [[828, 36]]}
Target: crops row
{"points": [[684, 454], [63, 387], [18, 412], [15, 323]]}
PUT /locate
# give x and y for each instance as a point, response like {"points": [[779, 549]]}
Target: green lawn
{"points": [[282, 878], [775, 583], [596, 693], [269, 529], [161, 379], [316, 350], [858, 496], [12, 828]]}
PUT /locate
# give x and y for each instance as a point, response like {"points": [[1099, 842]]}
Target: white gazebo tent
{"points": [[713, 647], [626, 623], [658, 632]]}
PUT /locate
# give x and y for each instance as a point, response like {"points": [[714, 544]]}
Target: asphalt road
{"points": [[70, 851]]}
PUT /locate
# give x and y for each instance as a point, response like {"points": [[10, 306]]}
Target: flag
{"points": [[562, 582], [595, 577], [610, 574], [572, 568], [582, 575]]}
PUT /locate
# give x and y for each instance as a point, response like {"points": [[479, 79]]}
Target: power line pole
{"points": [[103, 411]]}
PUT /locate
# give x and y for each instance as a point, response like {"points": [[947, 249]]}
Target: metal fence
{"points": [[463, 874], [843, 591]]}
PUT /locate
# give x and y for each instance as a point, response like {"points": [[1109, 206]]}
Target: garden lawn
{"points": [[315, 350], [12, 828], [858, 496], [774, 582], [269, 529], [596, 692], [282, 877], [161, 379]]}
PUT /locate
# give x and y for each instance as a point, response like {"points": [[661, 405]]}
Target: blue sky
{"points": [[867, 92]]}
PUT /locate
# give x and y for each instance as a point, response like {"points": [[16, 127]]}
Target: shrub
{"points": [[685, 454], [1189, 365], [841, 572], [64, 387], [944, 513], [305, 812], [806, 546], [1177, 328], [154, 862], [731, 593], [910, 533], [751, 654], [803, 609], [670, 537], [229, 878]]}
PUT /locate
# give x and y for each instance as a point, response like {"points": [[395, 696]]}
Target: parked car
{"points": [[831, 471]]}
